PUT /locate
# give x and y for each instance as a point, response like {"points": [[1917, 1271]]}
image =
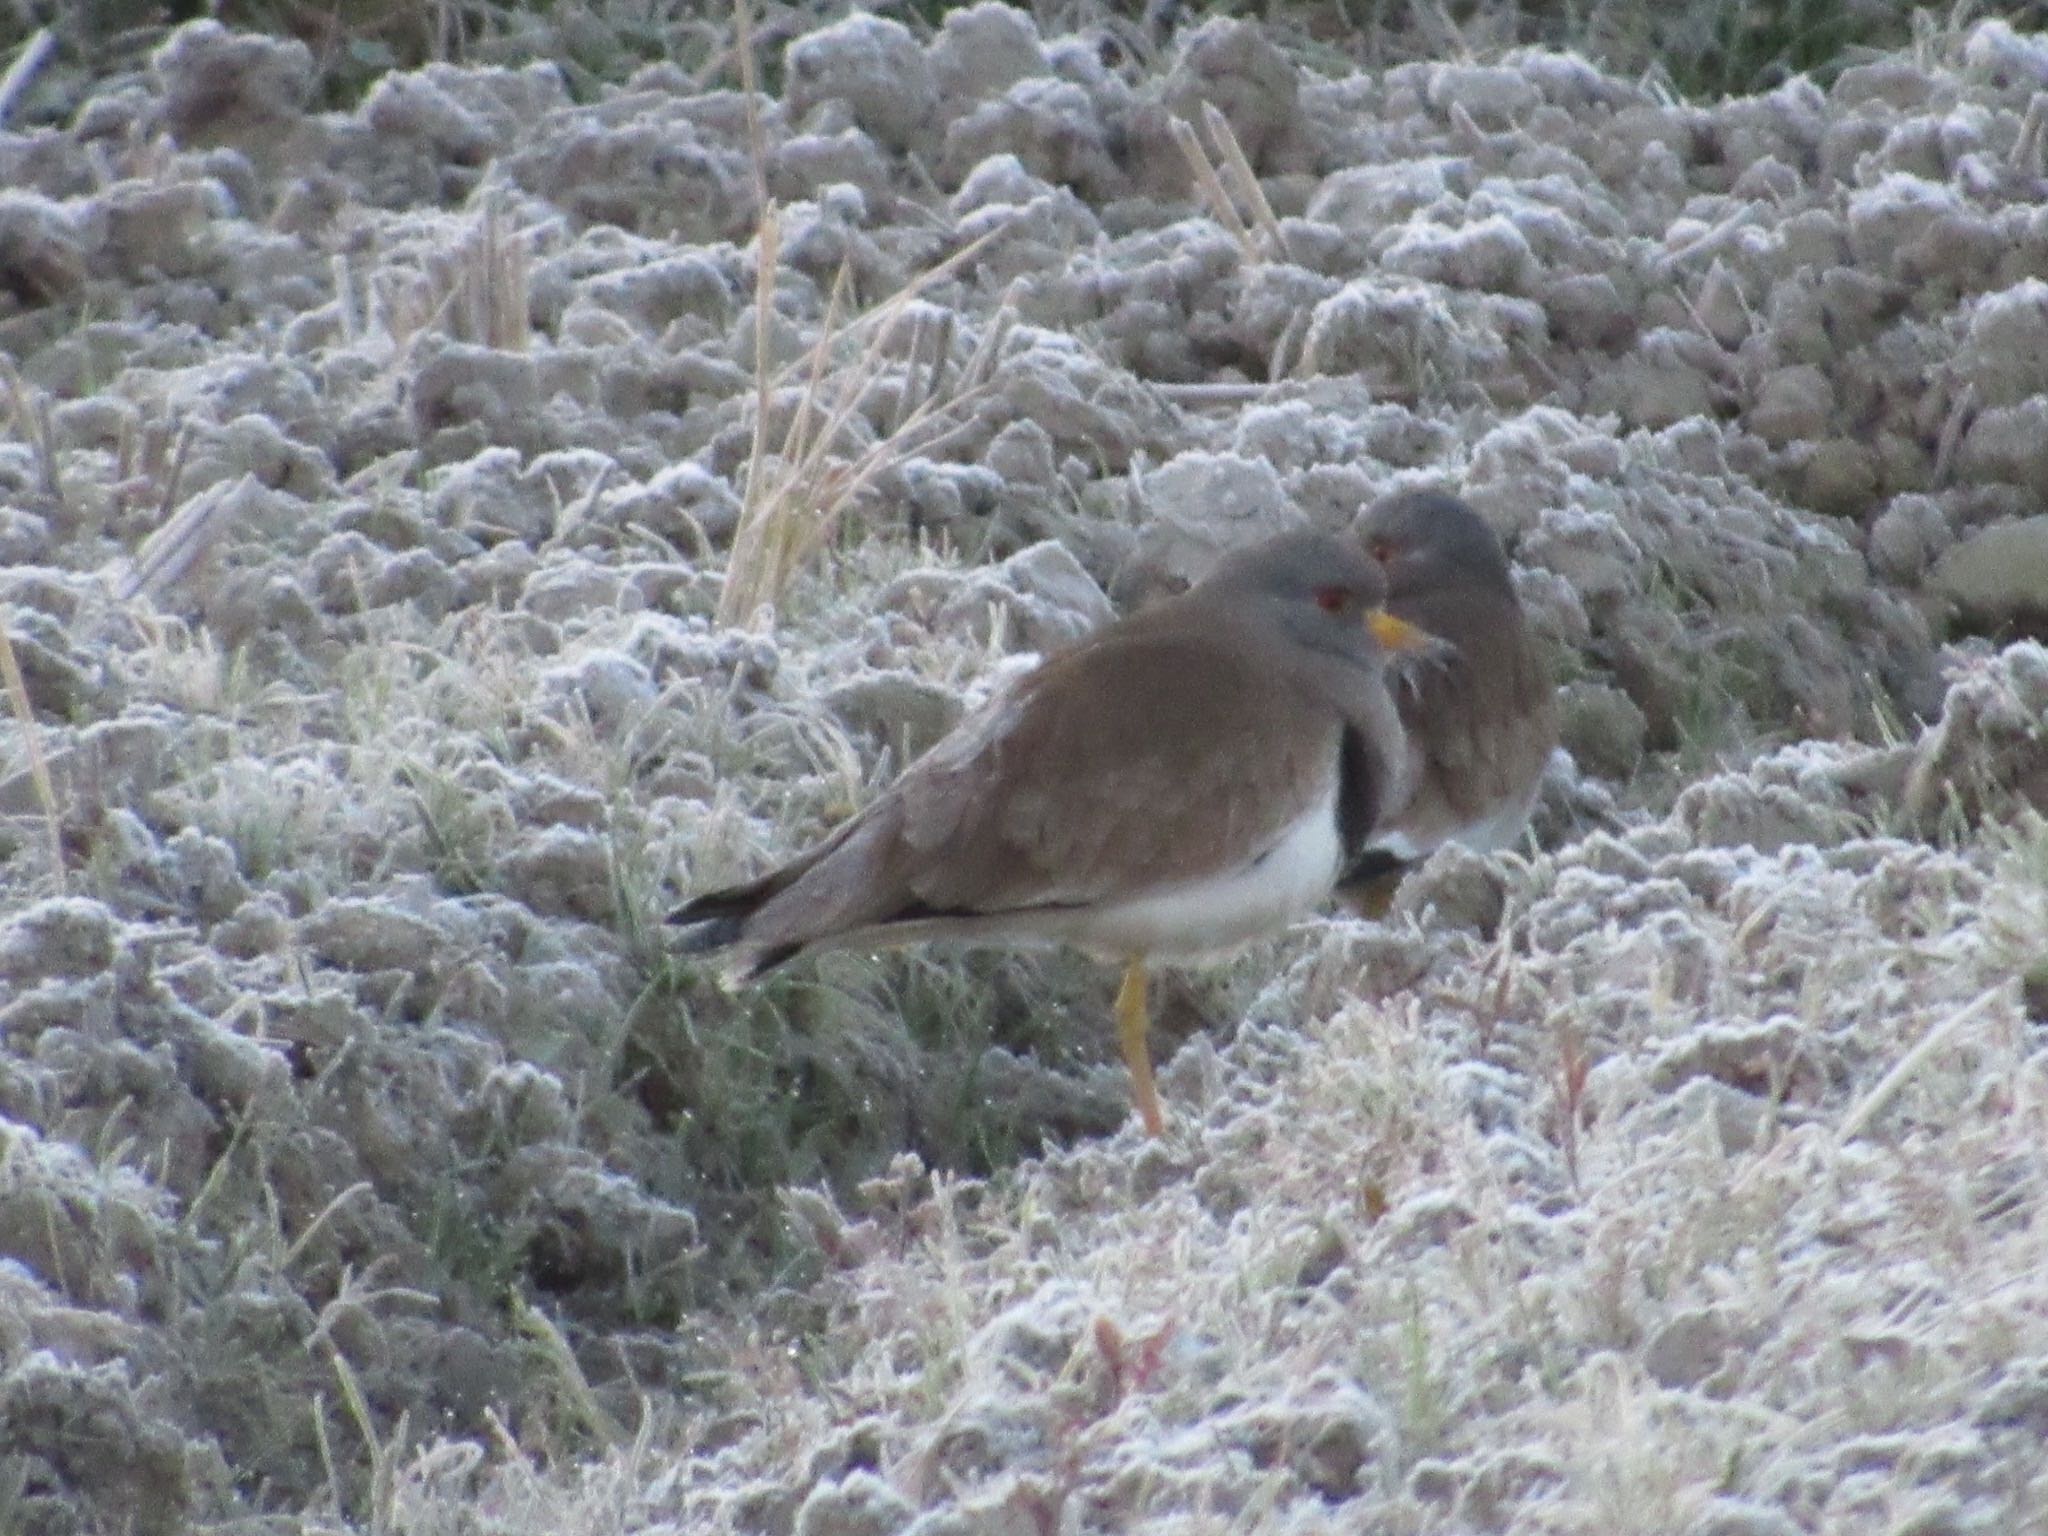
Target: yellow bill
{"points": [[1397, 634]]}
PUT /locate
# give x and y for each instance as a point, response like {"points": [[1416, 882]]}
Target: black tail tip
{"points": [[702, 932]]}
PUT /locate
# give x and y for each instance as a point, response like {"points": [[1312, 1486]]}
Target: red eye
{"points": [[1330, 599]]}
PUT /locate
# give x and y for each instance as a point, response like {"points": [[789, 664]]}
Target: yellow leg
{"points": [[1133, 1019], [1374, 899]]}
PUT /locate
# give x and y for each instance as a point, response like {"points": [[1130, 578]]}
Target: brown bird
{"points": [[1480, 718], [1186, 780]]}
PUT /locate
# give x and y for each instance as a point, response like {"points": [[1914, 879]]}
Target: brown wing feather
{"points": [[1481, 724], [1094, 791]]}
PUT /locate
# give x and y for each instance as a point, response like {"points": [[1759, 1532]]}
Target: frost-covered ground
{"points": [[431, 543]]}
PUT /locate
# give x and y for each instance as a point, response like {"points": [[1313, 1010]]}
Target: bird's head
{"points": [[1321, 588], [1426, 540]]}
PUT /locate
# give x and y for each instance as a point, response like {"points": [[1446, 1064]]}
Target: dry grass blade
{"points": [[382, 1454], [1711, 242], [741, 571], [180, 544], [494, 284], [174, 472], [931, 348], [796, 442], [32, 744], [597, 1420], [1247, 182], [476, 291], [30, 410], [777, 541], [585, 508], [2026, 149], [982, 362], [794, 501], [1858, 1119], [315, 1226], [1962, 412], [1208, 394], [1467, 128], [883, 315], [46, 450], [1212, 187], [757, 156], [842, 484], [28, 63]]}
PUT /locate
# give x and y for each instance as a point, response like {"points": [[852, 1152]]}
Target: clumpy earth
{"points": [[436, 533]]}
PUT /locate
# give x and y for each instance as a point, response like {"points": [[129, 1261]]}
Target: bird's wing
{"points": [[1481, 722], [1156, 755]]}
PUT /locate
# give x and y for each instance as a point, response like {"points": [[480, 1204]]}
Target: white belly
{"points": [[1503, 829], [1489, 834], [1223, 911]]}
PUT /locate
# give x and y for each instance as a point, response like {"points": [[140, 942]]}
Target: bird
{"points": [[1478, 714], [1185, 780]]}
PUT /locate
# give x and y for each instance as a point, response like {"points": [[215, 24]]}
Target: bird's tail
{"points": [[717, 921], [705, 933], [725, 919]]}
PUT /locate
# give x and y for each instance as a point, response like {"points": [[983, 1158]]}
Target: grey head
{"points": [[1425, 540], [1317, 588]]}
